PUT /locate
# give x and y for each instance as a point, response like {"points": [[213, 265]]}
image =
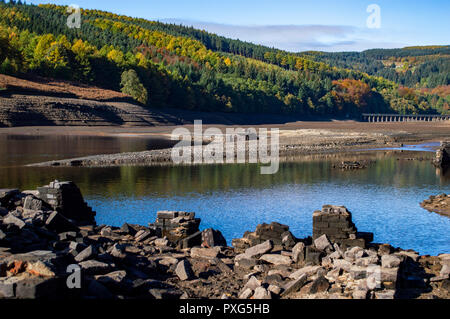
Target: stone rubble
{"points": [[43, 239]]}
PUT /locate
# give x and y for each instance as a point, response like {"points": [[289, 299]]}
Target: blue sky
{"points": [[298, 25]]}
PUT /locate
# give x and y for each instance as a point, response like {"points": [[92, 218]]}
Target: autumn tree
{"points": [[131, 85]]}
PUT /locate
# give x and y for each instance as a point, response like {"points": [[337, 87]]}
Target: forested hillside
{"points": [[426, 67], [163, 65]]}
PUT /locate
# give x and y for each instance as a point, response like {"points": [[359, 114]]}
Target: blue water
{"points": [[384, 199]]}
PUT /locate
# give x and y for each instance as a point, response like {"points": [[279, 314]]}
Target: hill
{"points": [[168, 66]]}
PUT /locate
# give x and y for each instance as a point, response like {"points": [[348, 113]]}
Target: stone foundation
{"points": [[336, 222], [66, 198]]}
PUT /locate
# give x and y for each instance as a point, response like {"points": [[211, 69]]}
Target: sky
{"points": [[299, 25]]}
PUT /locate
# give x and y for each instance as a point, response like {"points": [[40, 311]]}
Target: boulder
{"points": [[66, 198], [319, 285], [259, 250], [10, 219], [390, 261], [207, 253], [276, 259], [58, 223], [308, 271], [252, 284], [212, 238], [294, 285], [313, 255], [261, 293], [86, 254], [183, 270], [322, 242], [298, 252]]}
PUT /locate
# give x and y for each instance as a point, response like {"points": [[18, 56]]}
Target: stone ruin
{"points": [[62, 197], [279, 235], [182, 229], [66, 198], [442, 159], [336, 223]]}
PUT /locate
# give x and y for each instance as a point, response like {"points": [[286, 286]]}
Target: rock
{"points": [[222, 266], [372, 282], [442, 158], [385, 294], [37, 288], [261, 293], [359, 294], [94, 267], [390, 261], [308, 271], [212, 238], [32, 203], [207, 253], [358, 272], [445, 270], [258, 250], [59, 223], [113, 279], [6, 194], [294, 285], [85, 254], [313, 255], [246, 293], [7, 287], [246, 263], [252, 284], [298, 252], [274, 279], [2, 235], [288, 240], [322, 242], [273, 231], [176, 225], [389, 274], [142, 235], [165, 293], [127, 229], [385, 249], [67, 236], [66, 198], [118, 251], [333, 274], [13, 220], [409, 254], [183, 270], [191, 241], [161, 242], [276, 290], [319, 285], [38, 268], [276, 259], [99, 291], [366, 261], [168, 261]]}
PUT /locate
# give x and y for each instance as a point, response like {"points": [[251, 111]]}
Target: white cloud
{"points": [[299, 37]]}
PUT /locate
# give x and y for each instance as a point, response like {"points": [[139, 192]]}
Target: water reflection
{"points": [[384, 198]]}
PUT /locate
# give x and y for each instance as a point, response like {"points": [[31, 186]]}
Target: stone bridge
{"points": [[372, 117]]}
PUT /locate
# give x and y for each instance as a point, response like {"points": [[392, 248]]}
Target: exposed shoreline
{"points": [[44, 231], [296, 139]]}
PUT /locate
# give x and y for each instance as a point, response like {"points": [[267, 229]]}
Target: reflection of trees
{"points": [[171, 180]]}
